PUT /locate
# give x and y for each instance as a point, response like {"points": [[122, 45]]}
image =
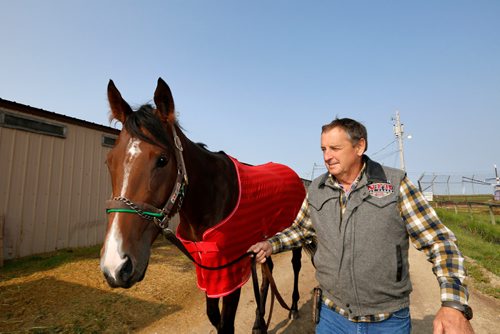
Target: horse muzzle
{"points": [[125, 275]]}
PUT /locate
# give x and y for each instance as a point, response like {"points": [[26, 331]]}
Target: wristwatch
{"points": [[465, 309]]}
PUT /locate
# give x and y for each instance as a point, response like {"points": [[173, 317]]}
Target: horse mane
{"points": [[205, 148], [145, 125], [146, 119]]}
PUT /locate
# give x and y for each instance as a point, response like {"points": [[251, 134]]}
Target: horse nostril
{"points": [[126, 270]]}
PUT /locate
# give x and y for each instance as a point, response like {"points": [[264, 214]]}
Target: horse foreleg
{"points": [[260, 326], [297, 265], [229, 307], [213, 311]]}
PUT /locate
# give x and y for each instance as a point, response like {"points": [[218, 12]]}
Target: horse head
{"points": [[143, 168]]}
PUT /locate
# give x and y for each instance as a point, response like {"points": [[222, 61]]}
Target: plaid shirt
{"points": [[426, 231]]}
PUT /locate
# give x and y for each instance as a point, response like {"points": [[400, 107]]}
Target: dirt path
{"points": [[195, 321], [425, 295], [425, 303], [73, 297]]}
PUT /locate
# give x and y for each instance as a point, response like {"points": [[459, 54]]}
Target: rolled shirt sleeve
{"points": [[430, 235]]}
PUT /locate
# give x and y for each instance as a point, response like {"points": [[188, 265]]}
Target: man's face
{"points": [[339, 154]]}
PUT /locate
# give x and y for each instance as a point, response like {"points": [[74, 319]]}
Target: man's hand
{"points": [[451, 321], [262, 250]]}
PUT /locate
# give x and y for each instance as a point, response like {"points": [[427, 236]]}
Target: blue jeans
{"points": [[330, 322]]}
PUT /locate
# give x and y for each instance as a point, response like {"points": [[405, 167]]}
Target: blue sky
{"points": [[257, 79]]}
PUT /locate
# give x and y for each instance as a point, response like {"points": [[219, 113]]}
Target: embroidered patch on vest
{"points": [[380, 190]]}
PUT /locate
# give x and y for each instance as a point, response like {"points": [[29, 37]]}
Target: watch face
{"points": [[468, 312]]}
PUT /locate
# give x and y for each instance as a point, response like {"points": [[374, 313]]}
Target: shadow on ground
{"points": [[302, 325], [422, 326]]}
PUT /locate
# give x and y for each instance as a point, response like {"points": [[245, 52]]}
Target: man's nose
{"points": [[327, 155]]}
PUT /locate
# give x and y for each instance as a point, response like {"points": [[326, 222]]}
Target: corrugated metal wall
{"points": [[52, 190]]}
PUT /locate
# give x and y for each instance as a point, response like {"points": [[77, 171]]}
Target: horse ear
{"points": [[119, 108], [164, 102]]}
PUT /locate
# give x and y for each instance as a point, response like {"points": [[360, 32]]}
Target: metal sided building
{"points": [[53, 180]]}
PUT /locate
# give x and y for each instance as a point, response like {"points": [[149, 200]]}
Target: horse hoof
{"points": [[293, 315], [259, 330]]}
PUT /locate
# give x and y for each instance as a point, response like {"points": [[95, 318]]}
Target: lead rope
{"points": [[169, 235]]}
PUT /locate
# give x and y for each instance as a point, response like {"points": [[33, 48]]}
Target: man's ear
{"points": [[361, 147]]}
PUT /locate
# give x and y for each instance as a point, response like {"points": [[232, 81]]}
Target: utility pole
{"points": [[398, 131]]}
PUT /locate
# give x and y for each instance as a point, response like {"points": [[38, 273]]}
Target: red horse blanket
{"points": [[270, 197]]}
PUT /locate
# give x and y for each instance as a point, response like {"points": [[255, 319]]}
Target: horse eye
{"points": [[162, 161]]}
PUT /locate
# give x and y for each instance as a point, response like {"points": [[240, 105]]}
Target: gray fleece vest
{"points": [[362, 255]]}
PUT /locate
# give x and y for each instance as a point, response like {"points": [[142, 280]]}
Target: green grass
{"points": [[464, 198], [481, 281], [480, 225], [479, 240]]}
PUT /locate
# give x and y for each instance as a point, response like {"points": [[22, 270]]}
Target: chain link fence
{"points": [[448, 184]]}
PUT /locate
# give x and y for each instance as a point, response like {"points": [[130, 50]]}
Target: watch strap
{"points": [[465, 309]]}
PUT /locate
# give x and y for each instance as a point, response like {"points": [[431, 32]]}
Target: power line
{"points": [[388, 155], [385, 147]]}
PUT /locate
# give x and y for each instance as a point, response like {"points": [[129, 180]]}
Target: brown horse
{"points": [[154, 165]]}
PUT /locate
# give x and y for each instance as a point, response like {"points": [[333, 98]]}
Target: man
{"points": [[357, 219]]}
